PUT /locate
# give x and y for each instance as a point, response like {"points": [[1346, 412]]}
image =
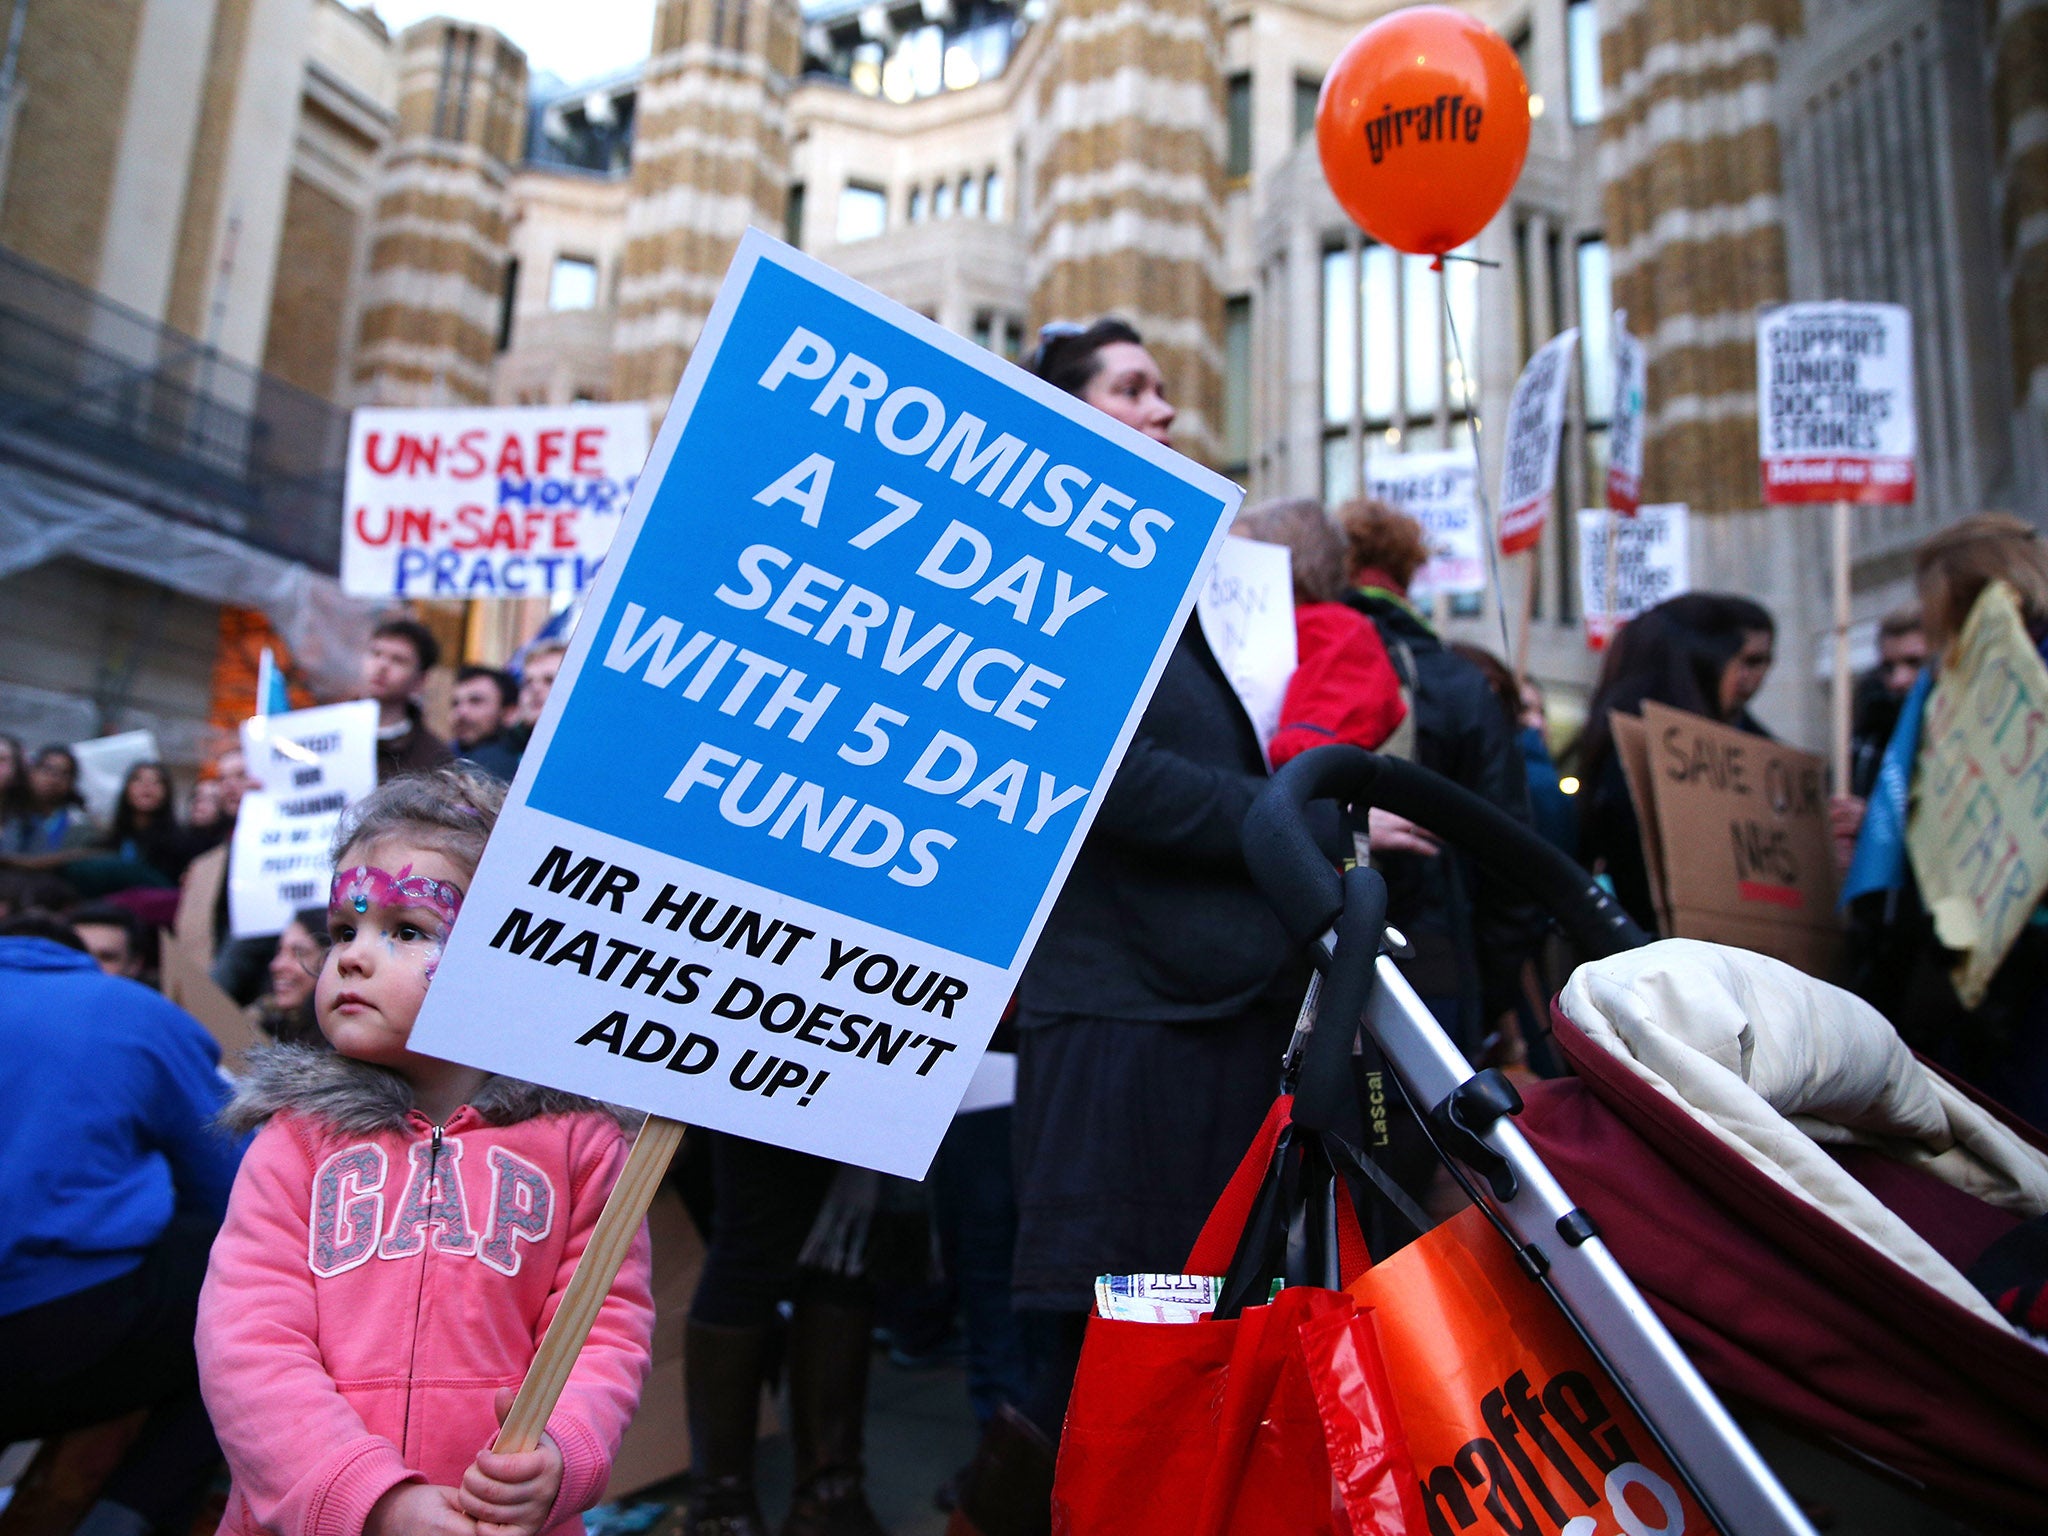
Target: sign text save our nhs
{"points": [[862, 661]]}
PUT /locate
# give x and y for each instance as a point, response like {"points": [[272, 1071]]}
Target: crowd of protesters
{"points": [[1147, 1032]]}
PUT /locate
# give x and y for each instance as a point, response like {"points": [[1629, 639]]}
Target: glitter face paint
{"points": [[357, 890]]}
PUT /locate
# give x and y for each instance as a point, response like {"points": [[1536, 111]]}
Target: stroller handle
{"points": [[1308, 894]]}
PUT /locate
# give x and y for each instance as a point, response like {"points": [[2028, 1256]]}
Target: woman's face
{"points": [[1127, 385], [147, 791], [205, 803], [1745, 673], [51, 778], [295, 966]]}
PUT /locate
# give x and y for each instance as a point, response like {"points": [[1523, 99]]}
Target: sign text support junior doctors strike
{"points": [[855, 675]]}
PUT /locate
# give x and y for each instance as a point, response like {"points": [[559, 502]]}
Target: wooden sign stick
{"points": [[617, 1225], [1531, 574], [1613, 573], [1838, 736]]}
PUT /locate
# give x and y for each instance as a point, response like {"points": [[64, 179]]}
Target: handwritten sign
{"points": [[1441, 492], [1978, 835], [1528, 470], [1835, 402], [1247, 615], [1650, 564], [517, 501], [309, 765], [1742, 823], [1625, 424], [878, 626]]}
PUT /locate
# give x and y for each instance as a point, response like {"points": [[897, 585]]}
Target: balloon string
{"points": [[1486, 522]]}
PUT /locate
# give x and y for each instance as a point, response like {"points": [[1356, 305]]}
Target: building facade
{"points": [[316, 213]]}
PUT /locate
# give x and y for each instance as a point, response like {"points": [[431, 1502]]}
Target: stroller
{"points": [[1692, 1233]]}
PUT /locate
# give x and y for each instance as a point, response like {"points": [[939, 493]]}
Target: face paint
{"points": [[357, 890]]}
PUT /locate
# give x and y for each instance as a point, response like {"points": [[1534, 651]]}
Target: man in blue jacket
{"points": [[116, 1182]]}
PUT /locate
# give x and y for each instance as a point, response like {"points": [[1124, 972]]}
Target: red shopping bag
{"points": [[1278, 1422]]}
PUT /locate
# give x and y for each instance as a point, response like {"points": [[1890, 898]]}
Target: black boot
{"points": [[722, 1377], [829, 1344], [1007, 1488]]}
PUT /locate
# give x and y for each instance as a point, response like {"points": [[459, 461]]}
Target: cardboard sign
{"points": [[1632, 749], [1625, 420], [1650, 564], [510, 501], [309, 765], [1835, 402], [882, 617], [1247, 614], [1441, 492], [103, 765], [1528, 470], [1978, 835], [1743, 826]]}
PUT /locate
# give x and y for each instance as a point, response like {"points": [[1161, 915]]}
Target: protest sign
{"points": [[1835, 402], [1743, 825], [1528, 470], [878, 625], [1647, 564], [1247, 614], [1632, 750], [1441, 492], [1625, 420], [511, 501], [103, 765], [308, 766], [1978, 835]]}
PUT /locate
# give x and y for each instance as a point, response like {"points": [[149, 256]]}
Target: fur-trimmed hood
{"points": [[357, 1098]]}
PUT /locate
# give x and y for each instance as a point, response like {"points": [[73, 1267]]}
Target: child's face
{"points": [[389, 916]]}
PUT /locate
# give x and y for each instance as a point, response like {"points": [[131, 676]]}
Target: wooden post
{"points": [[1838, 736], [1531, 573], [617, 1225]]}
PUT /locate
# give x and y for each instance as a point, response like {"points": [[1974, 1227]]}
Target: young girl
{"points": [[401, 1232]]}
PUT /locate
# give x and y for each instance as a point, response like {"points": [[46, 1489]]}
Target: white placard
{"points": [[1835, 402], [310, 764], [1247, 613], [1625, 423], [1651, 563], [1441, 492], [103, 765], [880, 622], [505, 501], [1528, 469]]}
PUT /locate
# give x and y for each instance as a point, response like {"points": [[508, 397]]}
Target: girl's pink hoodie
{"points": [[379, 1278]]}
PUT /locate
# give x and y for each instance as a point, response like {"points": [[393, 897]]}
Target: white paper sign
{"points": [[510, 501], [881, 619], [310, 764], [1651, 563], [1247, 612], [103, 765], [1625, 422], [1835, 402], [1441, 492], [1528, 470]]}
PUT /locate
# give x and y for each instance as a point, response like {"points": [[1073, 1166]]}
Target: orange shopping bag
{"points": [[1514, 1427]]}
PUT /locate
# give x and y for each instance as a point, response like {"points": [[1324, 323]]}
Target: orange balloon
{"points": [[1422, 127]]}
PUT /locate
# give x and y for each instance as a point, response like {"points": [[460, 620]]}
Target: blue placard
{"points": [[883, 623]]}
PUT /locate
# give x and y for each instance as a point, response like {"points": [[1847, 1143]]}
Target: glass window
{"points": [[916, 204], [1237, 153], [1461, 284], [573, 283], [942, 200], [1582, 57], [1013, 339], [1306, 94], [1237, 382], [1340, 468], [1382, 338], [863, 213], [992, 193], [793, 216], [1340, 336], [970, 197], [984, 328], [1596, 330], [1422, 308]]}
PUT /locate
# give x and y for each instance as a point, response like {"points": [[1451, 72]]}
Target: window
{"points": [[992, 190], [1582, 59], [506, 300], [1388, 362], [1307, 93], [1237, 153], [1237, 385], [1013, 339], [573, 284], [863, 213], [1596, 358], [984, 328], [970, 197], [793, 216], [916, 207], [942, 200]]}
